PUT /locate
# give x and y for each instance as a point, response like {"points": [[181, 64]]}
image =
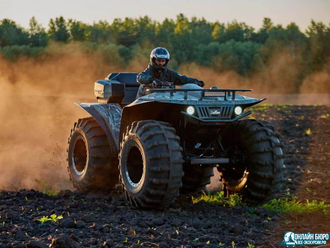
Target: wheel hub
{"points": [[135, 172], [79, 157]]}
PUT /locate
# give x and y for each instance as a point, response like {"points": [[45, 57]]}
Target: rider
{"points": [[158, 75]]}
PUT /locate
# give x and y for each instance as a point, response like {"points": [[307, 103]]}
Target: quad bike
{"points": [[168, 142]]}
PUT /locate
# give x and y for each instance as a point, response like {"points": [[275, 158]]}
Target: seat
{"points": [[131, 85]]}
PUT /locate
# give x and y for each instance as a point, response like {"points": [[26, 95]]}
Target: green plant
{"points": [[52, 218], [219, 198], [287, 205], [250, 246], [286, 222], [251, 211]]}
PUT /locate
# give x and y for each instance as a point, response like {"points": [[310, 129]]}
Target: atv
{"points": [[168, 142]]}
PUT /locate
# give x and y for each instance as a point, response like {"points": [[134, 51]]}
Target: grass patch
{"points": [[219, 199], [286, 205], [282, 205]]}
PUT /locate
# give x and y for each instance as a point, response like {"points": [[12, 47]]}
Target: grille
{"points": [[218, 112], [203, 112]]}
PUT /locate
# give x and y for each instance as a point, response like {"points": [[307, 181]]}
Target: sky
{"points": [[252, 12]]}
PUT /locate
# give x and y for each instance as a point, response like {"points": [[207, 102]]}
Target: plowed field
{"points": [[108, 221]]}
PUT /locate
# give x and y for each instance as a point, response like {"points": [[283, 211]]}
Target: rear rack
{"points": [[228, 93]]}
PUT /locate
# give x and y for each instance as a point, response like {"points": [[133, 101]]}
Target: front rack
{"points": [[228, 93]]}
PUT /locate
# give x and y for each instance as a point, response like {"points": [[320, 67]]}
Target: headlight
{"points": [[191, 110], [238, 110]]}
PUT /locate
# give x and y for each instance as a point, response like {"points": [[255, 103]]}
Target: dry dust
{"points": [[37, 110], [281, 75], [37, 113]]}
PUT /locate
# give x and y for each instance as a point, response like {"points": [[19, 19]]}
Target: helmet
{"points": [[159, 53]]}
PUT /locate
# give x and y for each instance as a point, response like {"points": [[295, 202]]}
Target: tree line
{"points": [[233, 46]]}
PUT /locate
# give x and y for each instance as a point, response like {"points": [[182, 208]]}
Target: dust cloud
{"points": [[283, 74], [37, 109], [37, 112]]}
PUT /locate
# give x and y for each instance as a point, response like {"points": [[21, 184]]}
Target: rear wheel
{"points": [[150, 164], [91, 165], [261, 171]]}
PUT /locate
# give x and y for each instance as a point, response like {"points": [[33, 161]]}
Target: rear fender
{"points": [[108, 116]]}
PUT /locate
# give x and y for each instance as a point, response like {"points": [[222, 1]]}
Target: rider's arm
{"points": [[181, 79], [145, 77]]}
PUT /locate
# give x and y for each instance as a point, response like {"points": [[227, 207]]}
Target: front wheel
{"points": [[150, 164], [259, 174]]}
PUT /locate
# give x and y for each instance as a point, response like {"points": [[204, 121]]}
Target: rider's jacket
{"points": [[166, 75], [146, 77]]}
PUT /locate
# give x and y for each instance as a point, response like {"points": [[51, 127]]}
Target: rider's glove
{"points": [[200, 83], [156, 83]]}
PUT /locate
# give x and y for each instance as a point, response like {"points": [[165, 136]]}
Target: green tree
{"points": [[218, 32], [232, 55], [296, 39], [201, 30], [184, 44], [12, 34], [165, 33], [237, 32], [58, 30], [78, 30], [145, 30], [125, 32], [101, 33], [262, 35], [37, 34], [319, 44]]}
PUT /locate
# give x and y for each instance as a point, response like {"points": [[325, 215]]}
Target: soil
{"points": [[108, 220]]}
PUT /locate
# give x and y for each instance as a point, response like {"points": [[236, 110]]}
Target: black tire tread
{"points": [[264, 149], [162, 186]]}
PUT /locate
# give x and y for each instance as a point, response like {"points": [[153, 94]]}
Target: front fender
{"points": [[108, 116], [140, 111]]}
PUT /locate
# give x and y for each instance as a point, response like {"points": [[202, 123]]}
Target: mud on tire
{"points": [[91, 166], [195, 178], [264, 160], [150, 164]]}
